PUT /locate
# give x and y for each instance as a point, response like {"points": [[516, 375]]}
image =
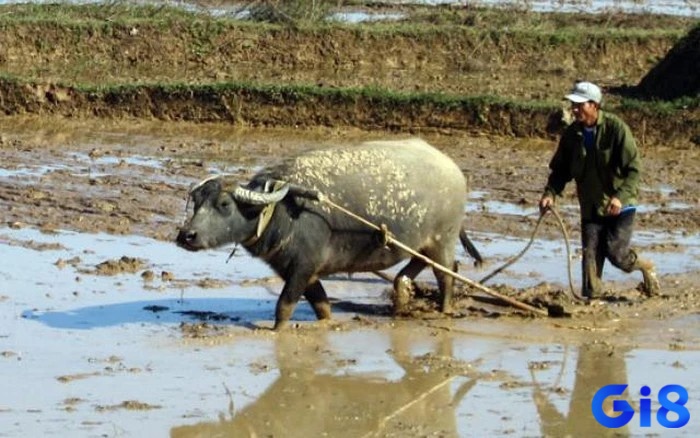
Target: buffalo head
{"points": [[227, 215]]}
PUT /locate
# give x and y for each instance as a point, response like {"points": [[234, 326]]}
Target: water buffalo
{"points": [[410, 187]]}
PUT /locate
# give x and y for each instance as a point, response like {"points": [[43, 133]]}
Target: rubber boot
{"points": [[592, 283], [650, 285]]}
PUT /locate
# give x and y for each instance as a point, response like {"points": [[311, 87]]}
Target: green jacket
{"points": [[610, 168]]}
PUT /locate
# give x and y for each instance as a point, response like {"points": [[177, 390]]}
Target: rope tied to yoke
{"points": [[389, 239]]}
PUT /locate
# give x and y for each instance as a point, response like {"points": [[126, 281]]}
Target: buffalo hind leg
{"points": [[316, 296], [445, 257], [403, 284]]}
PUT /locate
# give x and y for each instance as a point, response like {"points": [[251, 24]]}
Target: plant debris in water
{"points": [[130, 405], [125, 265]]}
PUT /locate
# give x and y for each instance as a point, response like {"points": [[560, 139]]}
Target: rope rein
{"points": [[573, 295], [389, 239]]}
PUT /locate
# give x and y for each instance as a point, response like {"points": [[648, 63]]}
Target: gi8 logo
{"points": [[627, 412]]}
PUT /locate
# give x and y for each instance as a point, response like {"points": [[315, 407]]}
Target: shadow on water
{"points": [[234, 311]]}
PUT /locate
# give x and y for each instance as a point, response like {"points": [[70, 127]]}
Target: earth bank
{"points": [[121, 340], [454, 73]]}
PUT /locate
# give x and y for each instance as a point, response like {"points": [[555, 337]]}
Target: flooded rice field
{"points": [[108, 329]]}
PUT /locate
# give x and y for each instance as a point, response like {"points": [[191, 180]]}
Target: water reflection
{"points": [[316, 394], [597, 365]]}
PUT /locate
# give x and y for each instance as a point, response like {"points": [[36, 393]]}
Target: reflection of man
{"points": [[305, 402], [597, 366], [599, 152]]}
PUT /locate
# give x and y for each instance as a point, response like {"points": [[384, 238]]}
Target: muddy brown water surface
{"points": [[108, 329]]}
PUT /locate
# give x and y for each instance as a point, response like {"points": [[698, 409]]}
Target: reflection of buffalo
{"points": [[302, 403], [596, 367]]}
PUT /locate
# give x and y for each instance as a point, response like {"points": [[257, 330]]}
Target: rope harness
{"points": [[389, 239]]}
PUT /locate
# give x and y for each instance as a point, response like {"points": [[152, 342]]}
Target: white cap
{"points": [[585, 91]]}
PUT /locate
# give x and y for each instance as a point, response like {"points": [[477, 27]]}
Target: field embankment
{"points": [[441, 70]]}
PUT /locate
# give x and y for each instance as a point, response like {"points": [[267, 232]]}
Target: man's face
{"points": [[585, 112]]}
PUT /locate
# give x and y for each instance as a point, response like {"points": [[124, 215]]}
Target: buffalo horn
{"points": [[223, 178], [248, 196]]}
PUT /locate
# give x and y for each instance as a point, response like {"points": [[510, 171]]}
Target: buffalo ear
{"points": [[207, 190]]}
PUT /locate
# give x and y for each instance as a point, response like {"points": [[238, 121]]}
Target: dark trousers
{"points": [[605, 238]]}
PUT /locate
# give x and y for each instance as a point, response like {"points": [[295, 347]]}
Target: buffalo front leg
{"points": [[316, 296], [287, 302]]}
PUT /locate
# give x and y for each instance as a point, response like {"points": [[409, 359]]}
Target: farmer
{"points": [[600, 153]]}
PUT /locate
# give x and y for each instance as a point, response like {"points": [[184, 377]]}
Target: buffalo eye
{"points": [[225, 203]]}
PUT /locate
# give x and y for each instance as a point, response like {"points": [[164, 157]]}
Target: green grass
{"points": [[110, 12], [419, 22], [376, 96]]}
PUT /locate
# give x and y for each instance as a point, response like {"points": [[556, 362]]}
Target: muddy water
{"points": [[123, 334], [107, 355], [83, 348]]}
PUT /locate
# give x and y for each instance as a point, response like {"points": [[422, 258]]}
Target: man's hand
{"points": [[546, 202], [614, 207]]}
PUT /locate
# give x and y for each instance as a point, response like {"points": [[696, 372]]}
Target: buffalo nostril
{"points": [[190, 236], [186, 236]]}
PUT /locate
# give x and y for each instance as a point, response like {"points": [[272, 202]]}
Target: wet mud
{"points": [[145, 338]]}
